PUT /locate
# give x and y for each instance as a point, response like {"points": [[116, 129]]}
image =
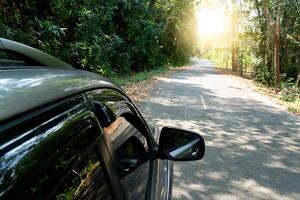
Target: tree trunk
{"points": [[234, 58], [277, 52], [234, 45], [274, 28]]}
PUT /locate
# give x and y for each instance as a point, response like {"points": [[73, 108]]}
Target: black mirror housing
{"points": [[180, 145]]}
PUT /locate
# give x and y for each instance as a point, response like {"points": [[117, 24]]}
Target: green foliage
{"points": [[107, 37], [262, 41], [220, 56], [289, 91], [139, 76], [264, 75]]}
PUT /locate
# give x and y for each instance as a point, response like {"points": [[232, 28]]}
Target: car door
{"points": [[131, 146], [56, 152]]}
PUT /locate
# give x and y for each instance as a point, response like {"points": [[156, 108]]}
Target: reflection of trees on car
{"points": [[87, 183], [131, 155], [59, 160]]}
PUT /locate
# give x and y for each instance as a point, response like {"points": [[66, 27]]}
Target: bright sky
{"points": [[211, 22]]}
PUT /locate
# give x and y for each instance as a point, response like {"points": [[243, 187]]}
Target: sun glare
{"points": [[211, 22]]}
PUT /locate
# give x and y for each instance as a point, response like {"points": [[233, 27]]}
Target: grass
{"points": [[123, 80], [294, 107]]}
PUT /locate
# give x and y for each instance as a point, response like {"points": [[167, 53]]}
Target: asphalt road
{"points": [[252, 145]]}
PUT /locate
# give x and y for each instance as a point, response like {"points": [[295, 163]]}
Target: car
{"points": [[72, 134]]}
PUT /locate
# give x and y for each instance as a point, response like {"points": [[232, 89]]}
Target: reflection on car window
{"points": [[8, 58], [127, 140], [70, 169], [131, 155], [84, 180]]}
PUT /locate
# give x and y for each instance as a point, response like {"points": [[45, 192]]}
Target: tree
{"points": [[273, 23], [106, 37]]}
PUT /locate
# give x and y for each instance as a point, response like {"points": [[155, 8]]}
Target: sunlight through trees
{"points": [[260, 37], [257, 36]]}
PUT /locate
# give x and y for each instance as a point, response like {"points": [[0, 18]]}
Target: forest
{"points": [[119, 37], [107, 37]]}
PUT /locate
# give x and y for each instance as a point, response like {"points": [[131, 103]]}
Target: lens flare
{"points": [[211, 22]]}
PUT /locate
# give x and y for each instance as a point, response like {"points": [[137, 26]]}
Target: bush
{"points": [[289, 91], [106, 37], [264, 75]]}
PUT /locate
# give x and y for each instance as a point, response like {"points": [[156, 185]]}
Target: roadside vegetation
{"points": [[135, 77], [137, 85], [114, 38]]}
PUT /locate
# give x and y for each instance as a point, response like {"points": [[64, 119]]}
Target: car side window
{"points": [[127, 142], [130, 153], [60, 161], [77, 174]]}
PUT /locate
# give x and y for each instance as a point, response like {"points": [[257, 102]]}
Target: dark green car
{"points": [[72, 134]]}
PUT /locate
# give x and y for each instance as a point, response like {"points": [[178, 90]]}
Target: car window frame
{"points": [[133, 109], [142, 127]]}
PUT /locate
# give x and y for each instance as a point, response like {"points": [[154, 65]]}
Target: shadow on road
{"points": [[253, 149]]}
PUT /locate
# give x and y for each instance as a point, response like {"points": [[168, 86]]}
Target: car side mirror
{"points": [[180, 145]]}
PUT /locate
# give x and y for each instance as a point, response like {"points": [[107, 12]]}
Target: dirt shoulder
{"points": [[139, 90], [292, 107]]}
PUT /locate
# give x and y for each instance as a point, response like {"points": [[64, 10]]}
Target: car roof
{"points": [[24, 89], [32, 53]]}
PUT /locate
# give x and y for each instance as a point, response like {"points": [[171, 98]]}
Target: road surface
{"points": [[252, 145]]}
